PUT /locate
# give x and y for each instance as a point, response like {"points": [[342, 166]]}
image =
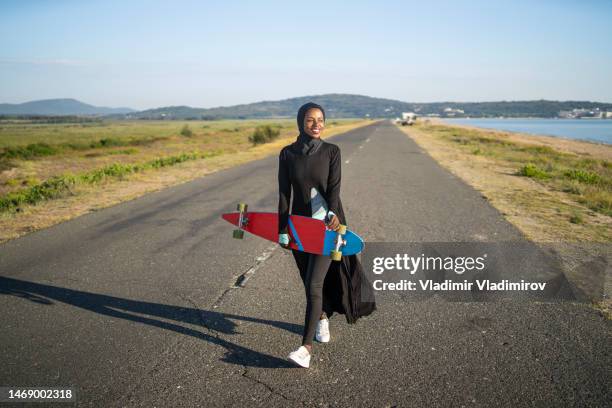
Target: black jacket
{"points": [[346, 289]]}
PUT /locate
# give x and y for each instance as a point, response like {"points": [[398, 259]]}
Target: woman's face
{"points": [[314, 122]]}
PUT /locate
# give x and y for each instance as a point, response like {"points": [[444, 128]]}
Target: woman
{"points": [[310, 168]]}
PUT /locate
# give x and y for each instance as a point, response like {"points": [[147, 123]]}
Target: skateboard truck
{"points": [[336, 254], [242, 221]]}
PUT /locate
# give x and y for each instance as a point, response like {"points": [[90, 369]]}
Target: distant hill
{"points": [[58, 107], [336, 106], [347, 105]]}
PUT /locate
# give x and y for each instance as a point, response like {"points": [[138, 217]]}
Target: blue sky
{"points": [[145, 54]]}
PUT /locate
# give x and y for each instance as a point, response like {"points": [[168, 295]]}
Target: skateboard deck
{"points": [[306, 234]]}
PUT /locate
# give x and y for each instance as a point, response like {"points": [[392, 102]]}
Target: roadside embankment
{"points": [[554, 190], [90, 168]]}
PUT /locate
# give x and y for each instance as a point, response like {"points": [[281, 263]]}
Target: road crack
{"points": [[271, 389]]}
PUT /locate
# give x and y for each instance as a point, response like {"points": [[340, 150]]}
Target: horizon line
{"points": [[306, 96]]}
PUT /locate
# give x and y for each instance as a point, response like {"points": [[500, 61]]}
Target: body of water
{"points": [[583, 129]]}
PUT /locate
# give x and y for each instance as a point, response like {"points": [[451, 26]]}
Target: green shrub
{"points": [[257, 138], [186, 131], [264, 134], [533, 171], [29, 151], [584, 176], [51, 188]]}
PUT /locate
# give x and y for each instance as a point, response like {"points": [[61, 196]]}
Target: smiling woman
{"points": [[309, 169]]}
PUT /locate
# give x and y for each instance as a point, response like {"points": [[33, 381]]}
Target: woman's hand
{"points": [[283, 240], [334, 223]]}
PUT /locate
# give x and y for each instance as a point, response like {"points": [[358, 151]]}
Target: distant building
{"points": [[450, 112], [583, 113]]}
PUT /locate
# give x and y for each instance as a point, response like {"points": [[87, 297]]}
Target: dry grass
{"points": [[144, 142], [86, 198], [544, 213]]}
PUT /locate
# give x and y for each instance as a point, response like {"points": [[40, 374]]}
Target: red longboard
{"points": [[306, 234]]}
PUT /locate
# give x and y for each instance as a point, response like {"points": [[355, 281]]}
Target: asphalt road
{"points": [[136, 305]]}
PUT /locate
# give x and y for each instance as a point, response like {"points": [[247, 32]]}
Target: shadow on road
{"points": [[147, 313]]}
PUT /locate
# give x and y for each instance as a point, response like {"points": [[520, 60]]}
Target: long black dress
{"points": [[346, 289]]}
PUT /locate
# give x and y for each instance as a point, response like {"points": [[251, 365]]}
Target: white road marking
{"points": [[242, 280], [347, 162]]}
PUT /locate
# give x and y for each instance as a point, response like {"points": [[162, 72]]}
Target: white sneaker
{"points": [[322, 334], [300, 357]]}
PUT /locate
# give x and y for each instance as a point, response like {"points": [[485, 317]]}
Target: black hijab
{"points": [[306, 144]]}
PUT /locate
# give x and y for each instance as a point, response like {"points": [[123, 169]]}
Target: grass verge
{"points": [[58, 186], [585, 179], [553, 190], [113, 182]]}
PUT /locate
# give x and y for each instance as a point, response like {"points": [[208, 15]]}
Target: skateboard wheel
{"points": [[336, 255], [341, 229], [242, 207], [238, 234]]}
